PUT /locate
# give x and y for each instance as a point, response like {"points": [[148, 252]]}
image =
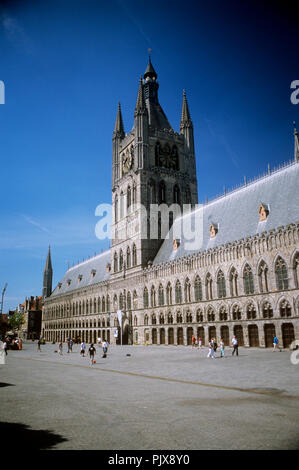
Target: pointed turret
{"points": [[185, 116], [48, 276], [119, 125], [140, 103], [150, 71], [296, 148]]}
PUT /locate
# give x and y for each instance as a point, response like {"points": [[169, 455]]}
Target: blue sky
{"points": [[67, 63]]}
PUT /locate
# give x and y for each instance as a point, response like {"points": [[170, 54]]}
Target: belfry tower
{"points": [[48, 276], [152, 164]]}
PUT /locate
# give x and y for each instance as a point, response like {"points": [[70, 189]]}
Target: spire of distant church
{"points": [[296, 149], [48, 275], [185, 116], [119, 125], [150, 71]]}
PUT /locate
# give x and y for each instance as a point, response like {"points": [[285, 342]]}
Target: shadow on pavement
{"points": [[30, 439], [3, 384]]}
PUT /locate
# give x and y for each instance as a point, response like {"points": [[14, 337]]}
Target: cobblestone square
{"points": [[150, 397]]}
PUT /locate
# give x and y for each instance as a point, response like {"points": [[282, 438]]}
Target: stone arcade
{"points": [[243, 280]]}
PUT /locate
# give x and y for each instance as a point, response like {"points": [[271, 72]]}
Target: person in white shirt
{"points": [[235, 346], [83, 348]]}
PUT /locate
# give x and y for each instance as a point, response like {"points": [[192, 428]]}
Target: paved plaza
{"points": [[150, 397]]}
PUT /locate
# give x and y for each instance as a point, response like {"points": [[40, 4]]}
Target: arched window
{"points": [[176, 194], [189, 317], [145, 298], [108, 304], [135, 300], [154, 319], [170, 318], [115, 265], [121, 301], [135, 320], [169, 294], [116, 209], [161, 319], [267, 310], [103, 304], [248, 280], [251, 311], [223, 314], [187, 290], [221, 285], [129, 201], [153, 296], [128, 258], [162, 192], [161, 295], [209, 287], [263, 277], [285, 309], [199, 316], [296, 270], [178, 292], [129, 301], [121, 205], [233, 281], [237, 314], [121, 260], [134, 257], [179, 317], [211, 314], [145, 319], [197, 289], [281, 273]]}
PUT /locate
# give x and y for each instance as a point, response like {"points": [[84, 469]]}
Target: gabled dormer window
{"points": [[93, 273], [176, 243], [59, 285], [80, 278], [68, 282]]}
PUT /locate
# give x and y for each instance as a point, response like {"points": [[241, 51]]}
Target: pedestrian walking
{"points": [[2, 352], [235, 346], [99, 340], [221, 347], [71, 345], [276, 344], [193, 341], [199, 343], [211, 352], [38, 345], [60, 348], [215, 345], [92, 352], [5, 346], [83, 348], [68, 342], [105, 349]]}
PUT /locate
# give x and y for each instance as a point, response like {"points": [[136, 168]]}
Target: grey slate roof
{"points": [[97, 263], [236, 214]]}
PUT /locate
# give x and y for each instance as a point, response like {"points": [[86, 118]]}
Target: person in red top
{"points": [[193, 341]]}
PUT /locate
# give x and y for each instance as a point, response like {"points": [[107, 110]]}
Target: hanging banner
{"points": [[119, 316]]}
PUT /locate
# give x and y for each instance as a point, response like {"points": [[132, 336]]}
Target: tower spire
{"points": [[119, 125], [48, 275], [296, 148], [140, 103], [185, 116]]}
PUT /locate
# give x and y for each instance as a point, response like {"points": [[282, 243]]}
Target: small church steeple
{"points": [[119, 125], [185, 116], [48, 276]]}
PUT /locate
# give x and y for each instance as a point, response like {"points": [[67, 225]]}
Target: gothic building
{"points": [[239, 275]]}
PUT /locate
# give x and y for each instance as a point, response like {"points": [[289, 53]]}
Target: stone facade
{"points": [[245, 285]]}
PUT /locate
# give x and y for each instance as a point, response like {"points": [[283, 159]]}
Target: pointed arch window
{"points": [[199, 316], [267, 310], [221, 288], [233, 282], [153, 297], [116, 209], [161, 295], [211, 314], [178, 292], [134, 255], [129, 301], [176, 194], [135, 299], [251, 312], [223, 314], [285, 309], [162, 192], [169, 294], [145, 298], [248, 280], [146, 320], [115, 263], [209, 287], [121, 260], [237, 314], [134, 193], [170, 319], [121, 204], [121, 301], [263, 277], [128, 258], [154, 319], [161, 319], [103, 304], [129, 201], [197, 289], [187, 291], [281, 273], [296, 270]]}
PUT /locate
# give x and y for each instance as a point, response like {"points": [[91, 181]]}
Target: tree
{"points": [[16, 320]]}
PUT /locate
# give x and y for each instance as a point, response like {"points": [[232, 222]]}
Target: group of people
{"points": [[83, 349], [213, 346]]}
